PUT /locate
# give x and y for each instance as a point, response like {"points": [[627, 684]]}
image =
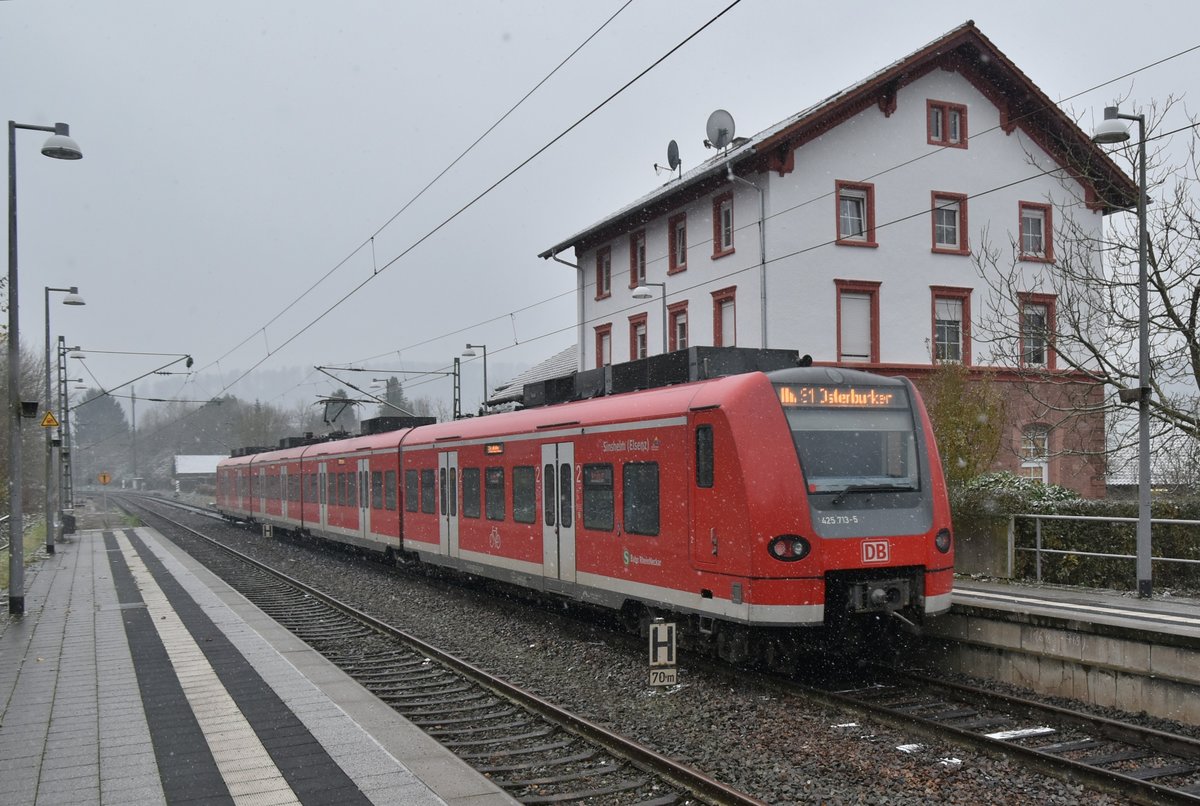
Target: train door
{"points": [[262, 491], [712, 538], [448, 503], [323, 493], [284, 491], [364, 497], [558, 511]]}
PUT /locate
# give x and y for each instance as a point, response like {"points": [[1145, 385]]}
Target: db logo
{"points": [[875, 551]]}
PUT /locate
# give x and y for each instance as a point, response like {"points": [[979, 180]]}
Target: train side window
{"points": [[548, 494], [704, 456], [351, 489], [524, 494], [566, 497], [389, 489], [454, 492], [470, 492], [411, 491], [640, 484], [341, 489], [428, 491], [598, 503], [376, 489], [493, 480], [442, 491]]}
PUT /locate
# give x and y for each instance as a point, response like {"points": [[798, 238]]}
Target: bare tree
{"points": [[1094, 282]]}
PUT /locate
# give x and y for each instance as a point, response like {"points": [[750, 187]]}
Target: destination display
{"points": [[848, 397]]}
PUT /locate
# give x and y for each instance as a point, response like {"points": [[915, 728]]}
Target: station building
{"points": [[919, 216]]}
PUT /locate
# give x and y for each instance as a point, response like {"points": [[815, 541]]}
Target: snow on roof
{"points": [[558, 365], [197, 464]]}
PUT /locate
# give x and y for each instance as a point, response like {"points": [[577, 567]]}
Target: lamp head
{"points": [[73, 298], [643, 292], [60, 146], [1111, 130]]}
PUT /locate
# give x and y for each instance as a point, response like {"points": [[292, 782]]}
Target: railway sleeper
{"points": [[586, 755], [603, 769], [505, 739], [517, 724], [520, 751], [586, 794], [500, 713]]}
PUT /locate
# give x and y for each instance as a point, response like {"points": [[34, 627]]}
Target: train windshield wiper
{"points": [[871, 488]]}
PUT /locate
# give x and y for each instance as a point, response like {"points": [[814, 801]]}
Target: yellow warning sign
{"points": [[49, 421], [104, 478]]}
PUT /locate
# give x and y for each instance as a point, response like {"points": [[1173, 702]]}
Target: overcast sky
{"points": [[236, 153]]}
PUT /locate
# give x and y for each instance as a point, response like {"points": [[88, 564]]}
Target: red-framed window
{"points": [[723, 225], [855, 214], [1036, 323], [948, 221], [950, 312], [858, 321], [1035, 237], [725, 317], [603, 345], [637, 337], [1035, 453], [946, 124], [603, 272], [677, 336], [677, 247], [637, 258]]}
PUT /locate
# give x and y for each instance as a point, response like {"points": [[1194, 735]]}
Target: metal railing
{"points": [[1038, 549]]}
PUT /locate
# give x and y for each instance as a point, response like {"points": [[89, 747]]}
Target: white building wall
{"points": [[802, 259]]}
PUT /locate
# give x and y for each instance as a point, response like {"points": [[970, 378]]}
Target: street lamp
{"points": [[1111, 130], [72, 298], [59, 146], [470, 353], [643, 292]]}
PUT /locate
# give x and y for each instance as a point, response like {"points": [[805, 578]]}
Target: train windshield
{"points": [[853, 439]]}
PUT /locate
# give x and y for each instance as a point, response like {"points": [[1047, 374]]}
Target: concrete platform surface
{"points": [[137, 677]]}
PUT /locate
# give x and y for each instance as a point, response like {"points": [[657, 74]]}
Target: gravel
{"points": [[779, 748]]}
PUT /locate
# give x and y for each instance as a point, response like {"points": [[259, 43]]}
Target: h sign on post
{"points": [[662, 654]]}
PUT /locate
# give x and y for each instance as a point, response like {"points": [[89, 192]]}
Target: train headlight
{"points": [[943, 541], [789, 548]]}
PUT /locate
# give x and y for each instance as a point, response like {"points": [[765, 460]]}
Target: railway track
{"points": [[1142, 764], [537, 752]]}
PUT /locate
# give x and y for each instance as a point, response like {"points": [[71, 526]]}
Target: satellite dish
{"points": [[673, 154], [719, 129]]}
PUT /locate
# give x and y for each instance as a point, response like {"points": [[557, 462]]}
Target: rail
{"points": [[1038, 549]]}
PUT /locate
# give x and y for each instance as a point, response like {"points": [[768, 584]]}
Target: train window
{"points": [[341, 489], [704, 456], [442, 491], [566, 497], [411, 493], [454, 492], [470, 492], [598, 497], [376, 489], [524, 495], [389, 490], [548, 495], [321, 484], [428, 491], [640, 481], [493, 480], [351, 489]]}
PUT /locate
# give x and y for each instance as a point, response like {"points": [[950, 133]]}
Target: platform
{"points": [[137, 677], [1104, 647]]}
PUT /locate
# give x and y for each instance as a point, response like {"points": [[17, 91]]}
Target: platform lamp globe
{"points": [[1111, 131], [53, 516], [59, 146]]}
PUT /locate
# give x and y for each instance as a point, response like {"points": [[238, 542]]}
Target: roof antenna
{"points": [[673, 163]]}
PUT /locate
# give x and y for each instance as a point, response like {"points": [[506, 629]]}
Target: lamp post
{"points": [[470, 353], [643, 292], [59, 146], [72, 298], [1111, 130]]}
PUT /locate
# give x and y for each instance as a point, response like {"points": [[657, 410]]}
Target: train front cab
{"points": [[858, 531]]}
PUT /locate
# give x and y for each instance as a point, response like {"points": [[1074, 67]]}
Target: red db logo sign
{"points": [[875, 551]]}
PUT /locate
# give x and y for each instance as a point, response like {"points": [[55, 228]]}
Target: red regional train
{"points": [[744, 505]]}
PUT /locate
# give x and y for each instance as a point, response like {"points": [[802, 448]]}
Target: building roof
{"points": [[197, 464], [964, 49], [556, 366]]}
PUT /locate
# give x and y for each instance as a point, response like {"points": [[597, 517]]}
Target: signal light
{"points": [[943, 541], [789, 548]]}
